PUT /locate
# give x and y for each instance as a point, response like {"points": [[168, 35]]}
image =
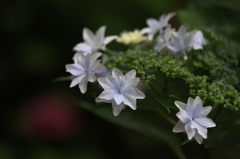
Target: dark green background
{"points": [[37, 41]]}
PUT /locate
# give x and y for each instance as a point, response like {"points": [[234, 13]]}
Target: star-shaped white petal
{"points": [[164, 38], [83, 70], [93, 42], [120, 90], [155, 26], [193, 119], [181, 42]]}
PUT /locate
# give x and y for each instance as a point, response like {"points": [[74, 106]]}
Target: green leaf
{"points": [[185, 141], [136, 122], [65, 78], [211, 142], [181, 98], [224, 128], [166, 103], [144, 104]]}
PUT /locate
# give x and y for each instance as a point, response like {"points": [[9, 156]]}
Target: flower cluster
{"points": [[119, 90], [160, 55], [85, 60]]}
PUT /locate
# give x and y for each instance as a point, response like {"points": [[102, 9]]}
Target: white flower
{"points": [[83, 70], [93, 43], [181, 41], [198, 40], [155, 26], [193, 119], [131, 37], [120, 90], [164, 39]]}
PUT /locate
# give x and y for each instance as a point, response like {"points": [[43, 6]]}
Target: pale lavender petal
{"points": [[196, 107], [94, 65], [129, 92], [76, 80], [116, 73], [139, 94], [183, 116], [130, 101], [161, 20], [150, 36], [132, 82], [145, 30], [152, 22], [168, 32], [103, 82], [190, 101], [95, 56], [87, 61], [182, 32], [175, 44], [117, 108], [75, 69], [113, 83], [88, 36], [198, 138], [108, 39], [100, 36], [188, 41], [198, 40], [82, 48], [108, 94], [180, 127], [205, 122], [180, 105], [200, 129], [91, 77], [204, 112], [169, 16], [102, 100], [118, 97], [131, 74], [83, 85], [190, 131], [79, 59]]}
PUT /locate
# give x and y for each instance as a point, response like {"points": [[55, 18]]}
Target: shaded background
{"points": [[38, 118]]}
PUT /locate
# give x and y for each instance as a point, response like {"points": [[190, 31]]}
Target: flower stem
{"points": [[167, 117], [217, 113], [154, 89], [179, 153]]}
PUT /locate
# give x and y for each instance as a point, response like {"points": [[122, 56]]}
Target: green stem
{"points": [[154, 89], [169, 119], [165, 88], [179, 153], [218, 112]]}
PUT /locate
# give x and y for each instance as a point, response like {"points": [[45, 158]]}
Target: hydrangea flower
{"points": [[131, 37], [198, 40], [120, 90], [193, 119], [164, 39], [93, 43], [83, 70], [181, 41], [155, 26]]}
